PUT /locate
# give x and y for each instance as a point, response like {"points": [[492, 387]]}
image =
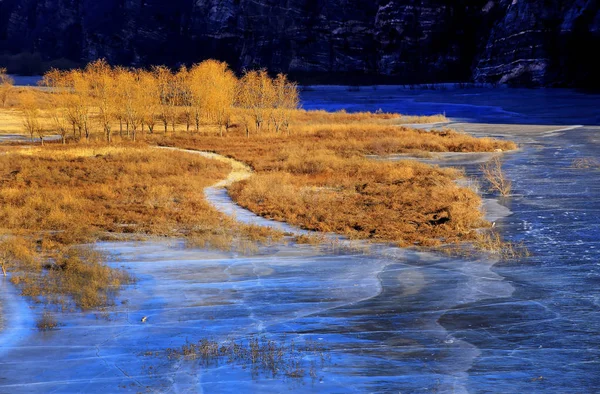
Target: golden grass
{"points": [[11, 122], [116, 189], [318, 178], [57, 196], [47, 322], [343, 117]]}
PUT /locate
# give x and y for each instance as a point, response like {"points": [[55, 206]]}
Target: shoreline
{"points": [[17, 316]]}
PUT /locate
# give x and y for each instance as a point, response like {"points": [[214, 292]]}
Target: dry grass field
{"points": [[319, 179], [54, 198], [104, 178]]}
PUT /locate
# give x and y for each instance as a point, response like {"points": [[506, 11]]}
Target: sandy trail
{"points": [[239, 171]]}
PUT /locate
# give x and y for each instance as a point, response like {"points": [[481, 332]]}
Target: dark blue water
{"points": [[502, 105]]}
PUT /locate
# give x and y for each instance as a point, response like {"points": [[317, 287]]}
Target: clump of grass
{"points": [[586, 163], [73, 277], [263, 356], [492, 242], [439, 118], [489, 242], [237, 237], [47, 322], [310, 239], [496, 178]]}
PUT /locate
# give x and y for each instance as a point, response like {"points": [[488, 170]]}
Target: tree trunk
{"points": [[3, 268]]}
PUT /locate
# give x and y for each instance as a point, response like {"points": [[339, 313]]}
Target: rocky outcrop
{"points": [[519, 41], [542, 43]]}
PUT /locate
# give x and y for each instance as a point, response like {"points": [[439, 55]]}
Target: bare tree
{"points": [[495, 176], [59, 117], [31, 114]]}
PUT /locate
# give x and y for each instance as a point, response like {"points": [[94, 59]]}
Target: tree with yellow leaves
{"points": [[166, 91], [57, 108], [131, 99], [256, 93], [150, 100], [58, 115], [183, 92], [102, 93], [80, 102], [64, 99], [6, 86], [213, 89], [286, 101]]}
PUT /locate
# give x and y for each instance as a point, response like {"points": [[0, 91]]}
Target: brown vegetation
{"points": [[319, 179], [47, 322], [57, 196], [6, 87], [310, 166], [495, 176], [285, 359], [586, 163]]}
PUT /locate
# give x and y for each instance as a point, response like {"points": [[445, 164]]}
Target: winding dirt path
{"points": [[239, 170]]}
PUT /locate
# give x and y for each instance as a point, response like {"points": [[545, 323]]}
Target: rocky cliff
{"points": [[520, 41]]}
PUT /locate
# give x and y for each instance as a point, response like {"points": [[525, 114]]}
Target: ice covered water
{"points": [[393, 320]]}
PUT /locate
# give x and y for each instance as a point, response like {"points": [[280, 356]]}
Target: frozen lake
{"points": [[391, 320]]}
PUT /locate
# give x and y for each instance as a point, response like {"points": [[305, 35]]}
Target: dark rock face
{"points": [[521, 41], [542, 42]]}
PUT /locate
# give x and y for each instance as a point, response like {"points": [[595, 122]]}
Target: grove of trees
{"points": [[101, 98]]}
